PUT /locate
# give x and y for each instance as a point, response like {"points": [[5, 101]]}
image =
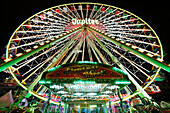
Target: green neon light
{"points": [[44, 82], [122, 82], [82, 62], [54, 68], [48, 82], [84, 82], [118, 70]]}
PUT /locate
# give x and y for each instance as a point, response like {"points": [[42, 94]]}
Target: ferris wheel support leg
{"points": [[141, 90]]}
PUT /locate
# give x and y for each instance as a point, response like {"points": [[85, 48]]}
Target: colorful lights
{"points": [[19, 54], [28, 50]]}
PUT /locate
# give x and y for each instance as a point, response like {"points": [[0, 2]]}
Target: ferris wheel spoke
{"points": [[112, 17], [103, 12], [73, 51], [110, 12], [89, 50], [138, 46], [74, 58], [130, 61], [64, 17], [35, 42], [76, 48], [66, 52], [31, 43], [87, 11], [75, 10], [65, 11], [70, 11], [55, 19], [113, 58], [149, 53], [90, 44], [139, 53], [41, 26], [33, 58], [81, 9], [119, 19], [83, 51], [138, 41], [40, 64], [132, 35], [139, 35], [93, 10], [129, 39], [31, 37], [57, 58], [118, 63], [97, 12], [98, 54]]}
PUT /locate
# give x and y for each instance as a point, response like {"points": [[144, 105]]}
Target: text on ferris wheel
{"points": [[84, 21]]}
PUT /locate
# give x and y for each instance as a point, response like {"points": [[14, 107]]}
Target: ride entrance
{"points": [[84, 57], [84, 85]]}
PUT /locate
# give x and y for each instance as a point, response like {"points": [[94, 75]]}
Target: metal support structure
{"points": [[18, 59], [119, 64], [136, 52], [64, 51]]}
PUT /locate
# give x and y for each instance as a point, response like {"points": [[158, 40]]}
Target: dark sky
{"points": [[154, 13]]}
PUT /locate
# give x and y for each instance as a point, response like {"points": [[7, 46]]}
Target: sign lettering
{"points": [[84, 21]]}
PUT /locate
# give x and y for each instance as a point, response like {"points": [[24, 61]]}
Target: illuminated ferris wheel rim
{"points": [[161, 56], [87, 3]]}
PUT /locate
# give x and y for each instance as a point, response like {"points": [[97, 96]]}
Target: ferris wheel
{"points": [[83, 32]]}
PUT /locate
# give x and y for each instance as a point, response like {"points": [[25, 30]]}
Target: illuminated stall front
{"points": [[85, 86]]}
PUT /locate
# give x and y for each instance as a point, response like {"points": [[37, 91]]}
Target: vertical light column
{"points": [[80, 109], [105, 107], [65, 107]]}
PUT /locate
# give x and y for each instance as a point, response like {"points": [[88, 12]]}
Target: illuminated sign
{"points": [[84, 71], [84, 21]]}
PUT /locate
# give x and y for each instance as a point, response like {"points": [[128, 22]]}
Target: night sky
{"points": [[155, 13]]}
